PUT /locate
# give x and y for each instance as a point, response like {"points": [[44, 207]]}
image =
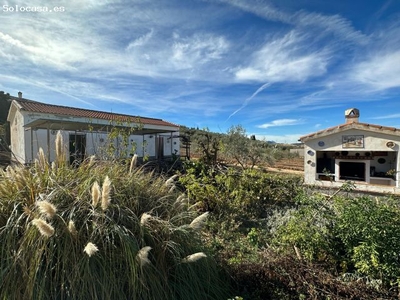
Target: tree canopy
{"points": [[5, 104]]}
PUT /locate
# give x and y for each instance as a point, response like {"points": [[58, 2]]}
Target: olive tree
{"points": [[247, 152]]}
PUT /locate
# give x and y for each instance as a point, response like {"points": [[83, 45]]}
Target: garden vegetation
{"points": [[112, 230]]}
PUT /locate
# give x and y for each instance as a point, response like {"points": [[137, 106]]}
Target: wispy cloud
{"points": [[246, 102], [392, 116], [281, 122], [140, 41], [379, 72], [197, 50], [329, 23], [285, 59]]}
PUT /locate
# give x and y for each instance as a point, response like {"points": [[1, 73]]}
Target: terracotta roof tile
{"points": [[38, 107]]}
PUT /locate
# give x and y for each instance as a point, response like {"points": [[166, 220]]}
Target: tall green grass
{"points": [[99, 231]]}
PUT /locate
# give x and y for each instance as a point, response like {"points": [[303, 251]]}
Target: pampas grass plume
{"points": [[92, 159], [173, 187], [194, 257], [59, 145], [96, 194], [41, 158], [143, 255], [27, 211], [181, 198], [10, 172], [72, 228], [46, 208], [45, 229], [180, 201], [144, 218], [133, 163], [90, 249], [106, 191], [198, 223], [170, 181], [36, 164]]}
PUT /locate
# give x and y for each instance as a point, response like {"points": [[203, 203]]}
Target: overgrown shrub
{"points": [[358, 235], [249, 193], [241, 202], [370, 232]]}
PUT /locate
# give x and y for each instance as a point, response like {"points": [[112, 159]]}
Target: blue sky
{"points": [[279, 68]]}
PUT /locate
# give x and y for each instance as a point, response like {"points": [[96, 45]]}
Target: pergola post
{"points": [[48, 142], [31, 144]]}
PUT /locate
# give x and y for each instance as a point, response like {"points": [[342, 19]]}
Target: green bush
{"points": [[248, 194], [357, 234], [131, 236], [370, 232]]}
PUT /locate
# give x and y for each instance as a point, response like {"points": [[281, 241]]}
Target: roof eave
{"points": [[348, 126]]}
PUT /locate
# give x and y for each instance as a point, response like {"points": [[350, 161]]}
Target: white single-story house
{"points": [[34, 125], [365, 154]]}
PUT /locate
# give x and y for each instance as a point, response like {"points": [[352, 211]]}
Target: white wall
{"points": [[17, 137], [35, 139]]}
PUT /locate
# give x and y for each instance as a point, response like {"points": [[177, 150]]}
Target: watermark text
{"points": [[27, 9]]}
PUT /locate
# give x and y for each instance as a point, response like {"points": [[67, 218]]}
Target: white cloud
{"points": [[380, 71], [281, 122], [285, 59]]}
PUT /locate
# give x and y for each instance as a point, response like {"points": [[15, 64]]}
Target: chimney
{"points": [[20, 95], [352, 115]]}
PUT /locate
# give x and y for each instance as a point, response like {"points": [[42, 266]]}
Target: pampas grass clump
{"points": [[130, 247]]}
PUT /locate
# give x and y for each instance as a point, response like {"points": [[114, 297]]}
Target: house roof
{"points": [[39, 107], [348, 126]]}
